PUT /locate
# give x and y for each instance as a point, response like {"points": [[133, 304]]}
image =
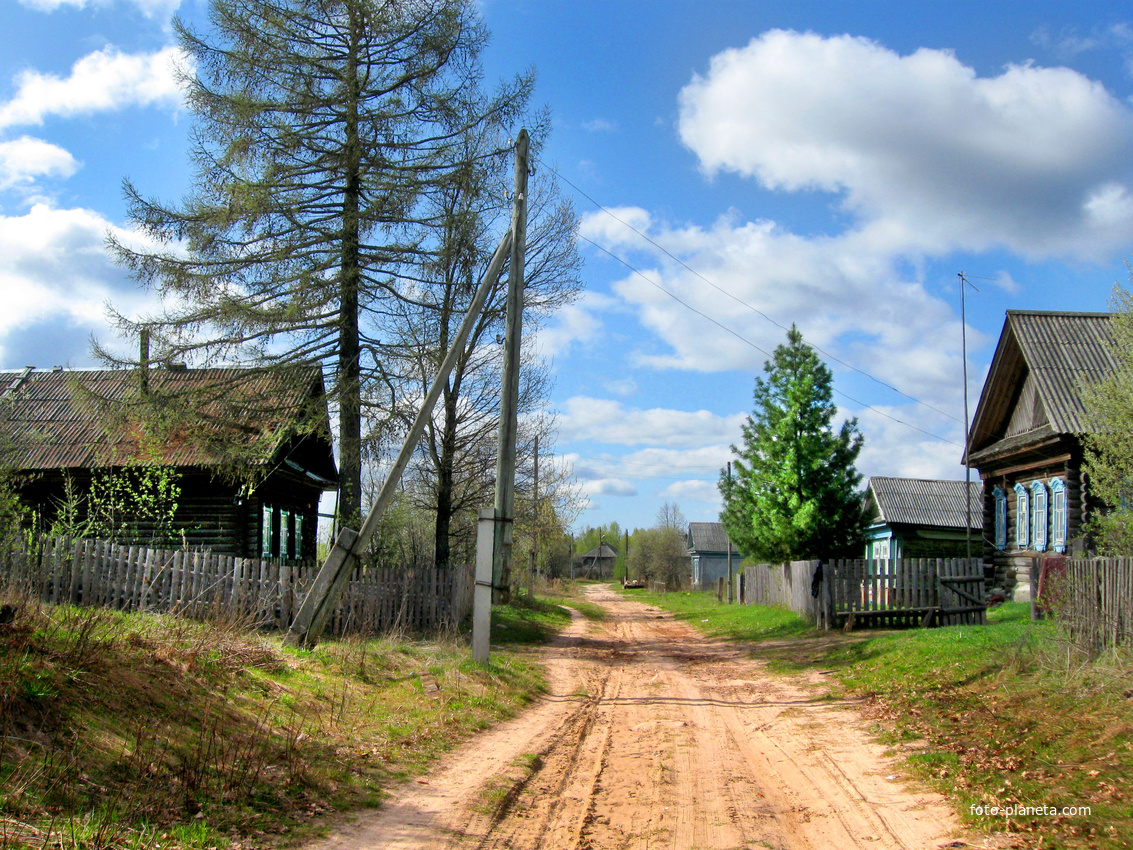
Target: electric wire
{"points": [[747, 341], [740, 301]]}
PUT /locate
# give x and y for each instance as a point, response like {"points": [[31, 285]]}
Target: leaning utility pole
{"points": [[509, 401], [321, 599]]}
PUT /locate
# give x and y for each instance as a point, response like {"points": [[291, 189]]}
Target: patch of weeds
{"points": [[131, 730], [527, 622]]}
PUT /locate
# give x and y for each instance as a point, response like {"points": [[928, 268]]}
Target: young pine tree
{"points": [[793, 490]]}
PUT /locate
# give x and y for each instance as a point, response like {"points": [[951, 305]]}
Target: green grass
{"points": [[127, 730], [527, 622], [1001, 714], [719, 619]]}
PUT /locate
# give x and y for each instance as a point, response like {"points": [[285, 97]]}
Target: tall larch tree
{"points": [[793, 491], [320, 127]]}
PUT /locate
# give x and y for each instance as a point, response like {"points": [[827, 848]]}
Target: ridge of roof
{"points": [[1086, 313]]}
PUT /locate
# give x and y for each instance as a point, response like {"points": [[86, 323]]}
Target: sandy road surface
{"points": [[651, 737]]}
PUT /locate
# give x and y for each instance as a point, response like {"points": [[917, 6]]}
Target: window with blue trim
{"points": [[1000, 518], [1038, 516], [1022, 517], [1059, 530]]}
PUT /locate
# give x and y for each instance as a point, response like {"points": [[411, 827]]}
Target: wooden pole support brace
{"points": [[319, 603]]}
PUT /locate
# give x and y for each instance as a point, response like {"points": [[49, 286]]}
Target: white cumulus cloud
{"points": [[24, 159], [609, 421], [101, 81], [927, 155], [57, 279], [150, 8]]}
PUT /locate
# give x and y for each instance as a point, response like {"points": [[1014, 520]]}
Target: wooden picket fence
{"points": [[197, 583], [1091, 597], [905, 592], [848, 593]]}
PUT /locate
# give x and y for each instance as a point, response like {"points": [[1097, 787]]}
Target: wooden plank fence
{"points": [[197, 583], [786, 585], [893, 594], [1092, 598]]}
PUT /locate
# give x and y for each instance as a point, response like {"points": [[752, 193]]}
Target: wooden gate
{"points": [[906, 592]]}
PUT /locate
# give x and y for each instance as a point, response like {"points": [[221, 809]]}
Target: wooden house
{"points": [[597, 563], [250, 448], [922, 518], [708, 550], [1026, 438]]}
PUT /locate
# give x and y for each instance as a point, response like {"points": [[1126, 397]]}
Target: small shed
{"points": [[67, 426], [708, 548], [1026, 438], [598, 563], [922, 518]]}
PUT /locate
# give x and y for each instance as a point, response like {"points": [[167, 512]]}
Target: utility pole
{"points": [[509, 400], [964, 282], [535, 526], [625, 555], [320, 601], [731, 579]]}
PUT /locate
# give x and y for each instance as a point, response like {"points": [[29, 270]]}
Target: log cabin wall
{"points": [[1009, 566]]}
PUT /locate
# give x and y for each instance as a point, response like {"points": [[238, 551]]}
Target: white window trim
{"points": [[1000, 498], [1040, 516], [1022, 517], [1059, 525]]}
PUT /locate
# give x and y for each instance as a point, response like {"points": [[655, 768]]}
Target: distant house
{"points": [[68, 426], [1026, 438], [922, 518], [708, 551], [597, 563]]}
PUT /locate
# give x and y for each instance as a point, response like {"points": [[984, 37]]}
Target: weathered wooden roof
{"points": [[1040, 366], [601, 552], [707, 537], [925, 502], [81, 419]]}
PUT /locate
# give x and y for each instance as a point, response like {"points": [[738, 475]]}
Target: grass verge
{"points": [[1003, 715], [130, 731]]}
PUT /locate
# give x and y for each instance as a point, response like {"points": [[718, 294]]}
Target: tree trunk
{"points": [[445, 465], [349, 365]]}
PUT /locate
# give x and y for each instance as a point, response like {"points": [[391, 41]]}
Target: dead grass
{"points": [[121, 731]]}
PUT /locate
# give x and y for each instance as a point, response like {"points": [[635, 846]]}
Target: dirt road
{"points": [[651, 737]]}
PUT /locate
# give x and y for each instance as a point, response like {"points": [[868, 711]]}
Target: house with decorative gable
{"points": [[1026, 438]]}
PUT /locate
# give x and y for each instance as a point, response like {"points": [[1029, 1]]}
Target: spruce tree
{"points": [[793, 490]]}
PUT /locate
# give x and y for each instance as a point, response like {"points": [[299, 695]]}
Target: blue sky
{"points": [[834, 165]]}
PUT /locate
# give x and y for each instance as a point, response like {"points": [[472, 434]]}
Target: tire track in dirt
{"points": [[652, 736]]}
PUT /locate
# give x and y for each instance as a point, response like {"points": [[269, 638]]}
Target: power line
{"points": [[747, 341], [739, 300]]}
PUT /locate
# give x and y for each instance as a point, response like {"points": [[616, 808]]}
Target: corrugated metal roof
{"points": [[926, 502], [708, 537], [1056, 353], [1064, 351], [81, 419]]}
